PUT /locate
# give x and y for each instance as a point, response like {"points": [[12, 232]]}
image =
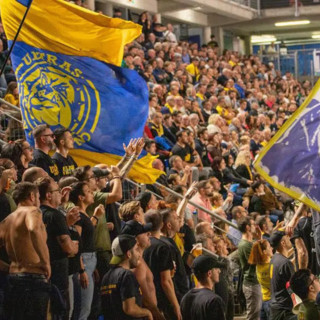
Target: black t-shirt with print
{"points": [[281, 270], [65, 166], [180, 276], [56, 226], [185, 153], [43, 160], [158, 257], [118, 285], [202, 304]]}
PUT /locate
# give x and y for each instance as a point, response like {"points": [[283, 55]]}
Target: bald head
{"points": [[34, 173]]}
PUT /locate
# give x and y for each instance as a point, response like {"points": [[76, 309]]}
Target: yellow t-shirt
{"points": [[193, 70], [263, 276], [223, 114]]}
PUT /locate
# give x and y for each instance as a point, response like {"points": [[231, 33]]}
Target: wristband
{"points": [[96, 218]]}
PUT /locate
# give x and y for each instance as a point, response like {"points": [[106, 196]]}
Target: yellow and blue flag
{"points": [[291, 160], [67, 63]]}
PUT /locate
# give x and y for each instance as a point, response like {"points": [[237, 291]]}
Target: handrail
{"points": [[10, 116], [198, 206], [9, 104]]}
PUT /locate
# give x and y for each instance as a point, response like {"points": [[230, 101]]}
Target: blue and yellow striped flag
{"points": [[67, 63]]}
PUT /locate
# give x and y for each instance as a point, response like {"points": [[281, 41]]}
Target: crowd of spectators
{"points": [[210, 239]]}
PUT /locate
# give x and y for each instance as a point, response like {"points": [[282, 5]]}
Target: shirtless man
{"points": [[24, 237], [142, 272]]}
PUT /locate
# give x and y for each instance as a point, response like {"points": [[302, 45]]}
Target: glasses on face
{"points": [[48, 135], [55, 190]]}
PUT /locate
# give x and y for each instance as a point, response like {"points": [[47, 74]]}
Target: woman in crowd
{"points": [[260, 256], [82, 196], [242, 166], [19, 152]]}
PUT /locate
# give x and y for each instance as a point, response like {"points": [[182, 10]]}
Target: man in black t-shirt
{"points": [[43, 137], [171, 225], [59, 241], [64, 141], [120, 292], [159, 259], [201, 303], [281, 270], [182, 149]]}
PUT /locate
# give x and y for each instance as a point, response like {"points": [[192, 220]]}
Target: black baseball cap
{"points": [[99, 173], [135, 228], [203, 264], [275, 238], [120, 245]]}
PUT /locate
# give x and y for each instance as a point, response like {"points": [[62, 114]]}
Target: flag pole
{"points": [[15, 39]]}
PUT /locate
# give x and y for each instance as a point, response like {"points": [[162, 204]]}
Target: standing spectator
{"points": [[158, 258], [281, 270], [260, 256], [64, 142], [201, 303], [142, 272], [121, 296], [306, 285], [234, 234], [251, 286], [169, 34], [59, 241], [43, 137], [82, 196], [24, 236], [171, 226]]}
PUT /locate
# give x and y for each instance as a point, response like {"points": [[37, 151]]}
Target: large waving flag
{"points": [[66, 61], [291, 160]]}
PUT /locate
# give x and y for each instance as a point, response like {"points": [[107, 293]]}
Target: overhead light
{"points": [[316, 36], [263, 38], [291, 23], [197, 8]]}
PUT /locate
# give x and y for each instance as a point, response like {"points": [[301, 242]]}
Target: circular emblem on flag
{"points": [[56, 93]]}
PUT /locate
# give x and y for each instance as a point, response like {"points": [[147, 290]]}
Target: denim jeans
{"points": [[253, 297], [265, 310], [27, 297], [90, 261], [74, 296]]}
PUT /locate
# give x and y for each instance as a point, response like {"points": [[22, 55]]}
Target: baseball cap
{"points": [[143, 198], [203, 264], [135, 228], [99, 173], [120, 245], [275, 238]]}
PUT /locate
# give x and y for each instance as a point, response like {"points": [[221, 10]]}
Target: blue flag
{"points": [[291, 160], [69, 75]]}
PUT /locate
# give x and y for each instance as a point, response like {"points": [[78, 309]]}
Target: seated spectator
{"points": [[19, 152], [265, 202]]}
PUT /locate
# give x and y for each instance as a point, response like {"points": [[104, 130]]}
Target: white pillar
{"points": [[158, 15], [206, 34], [105, 7], [90, 4], [218, 32]]}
